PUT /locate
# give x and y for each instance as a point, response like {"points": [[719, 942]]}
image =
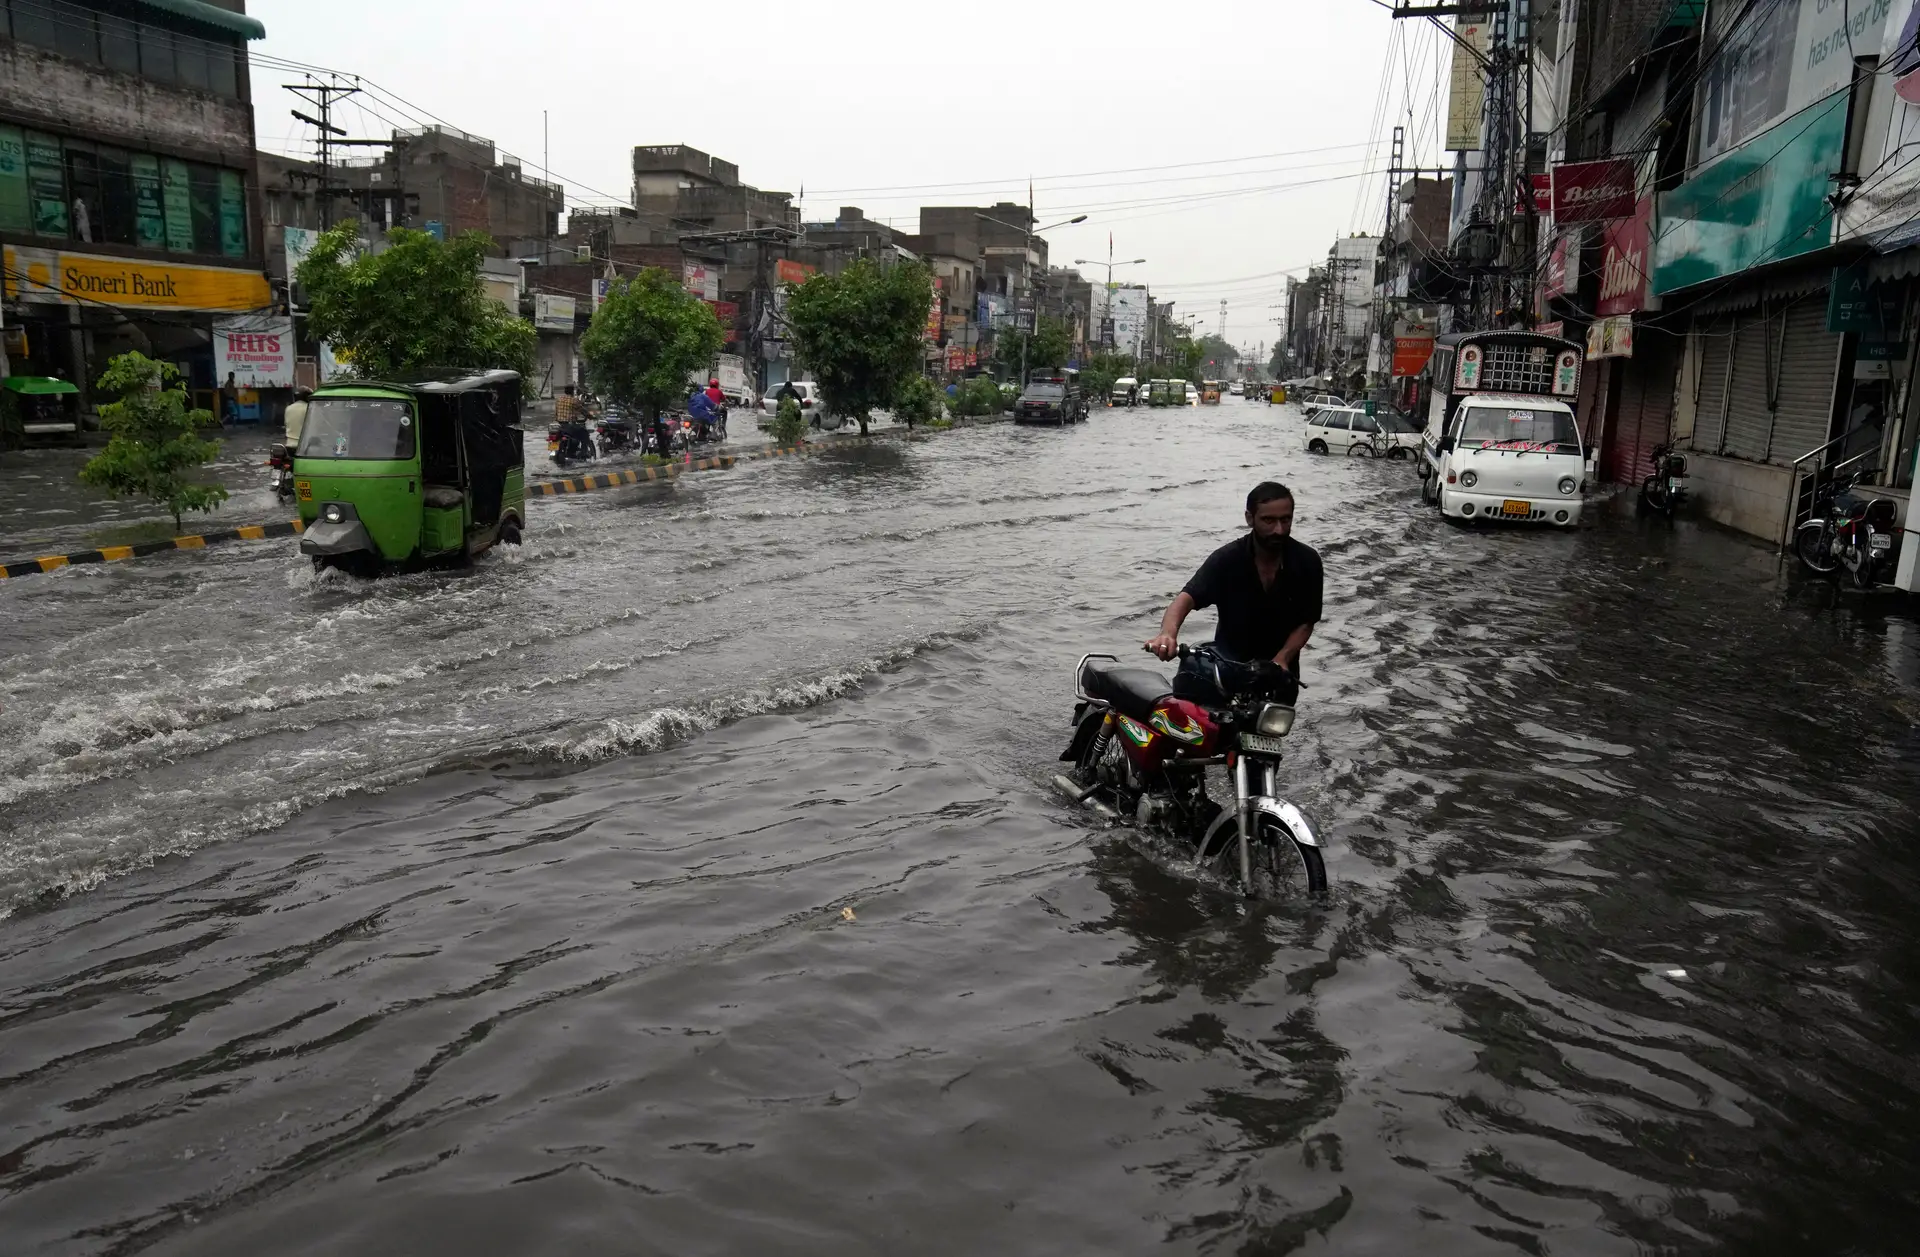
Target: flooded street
{"points": [[687, 882]]}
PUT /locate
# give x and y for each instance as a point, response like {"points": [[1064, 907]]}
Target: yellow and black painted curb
{"points": [[667, 471], [110, 554]]}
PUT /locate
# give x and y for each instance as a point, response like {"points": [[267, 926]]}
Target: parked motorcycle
{"points": [[280, 471], [1851, 531], [569, 443], [1142, 746], [1666, 489], [616, 434]]}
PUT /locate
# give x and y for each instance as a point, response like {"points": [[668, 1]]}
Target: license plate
{"points": [[1511, 507], [1260, 744], [1677, 485], [552, 446], [305, 489], [1881, 543]]}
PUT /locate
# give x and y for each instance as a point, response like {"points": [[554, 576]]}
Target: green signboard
{"points": [[233, 215], [15, 211], [149, 209], [176, 194], [1758, 203], [46, 184]]}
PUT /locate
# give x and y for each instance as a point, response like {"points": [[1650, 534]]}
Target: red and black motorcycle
{"points": [[1859, 533], [1142, 747]]}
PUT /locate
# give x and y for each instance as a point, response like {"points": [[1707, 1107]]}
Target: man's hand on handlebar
{"points": [[1166, 645]]}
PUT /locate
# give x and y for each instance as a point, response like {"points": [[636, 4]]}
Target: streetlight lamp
{"points": [[1109, 264], [1026, 333]]}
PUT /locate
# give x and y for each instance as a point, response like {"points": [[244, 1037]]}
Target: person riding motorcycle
{"points": [[718, 397], [1267, 586], [701, 410]]}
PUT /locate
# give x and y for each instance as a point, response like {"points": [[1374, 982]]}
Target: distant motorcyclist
{"points": [[1266, 584], [702, 411]]}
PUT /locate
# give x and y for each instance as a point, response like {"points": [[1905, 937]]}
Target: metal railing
{"points": [[1800, 506]]}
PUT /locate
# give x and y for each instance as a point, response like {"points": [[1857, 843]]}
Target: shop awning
{"points": [[213, 15], [37, 385]]}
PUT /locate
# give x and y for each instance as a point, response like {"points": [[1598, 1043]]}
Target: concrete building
{"points": [[1347, 312], [680, 188], [1068, 298], [129, 199]]}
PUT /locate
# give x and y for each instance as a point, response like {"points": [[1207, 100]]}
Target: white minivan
{"points": [[1508, 456]]}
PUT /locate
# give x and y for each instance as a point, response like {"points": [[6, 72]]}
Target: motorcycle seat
{"points": [[1132, 692]]}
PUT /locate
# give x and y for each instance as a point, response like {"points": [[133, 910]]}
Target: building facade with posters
{"points": [[1790, 369], [129, 198]]}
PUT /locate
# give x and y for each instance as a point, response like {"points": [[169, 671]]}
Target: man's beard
{"points": [[1272, 543]]}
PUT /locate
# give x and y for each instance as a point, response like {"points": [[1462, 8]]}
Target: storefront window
{"points": [[115, 221], [14, 212], [83, 191], [190, 62], [156, 54], [205, 191], [177, 200], [46, 185], [233, 215], [119, 43], [149, 206]]}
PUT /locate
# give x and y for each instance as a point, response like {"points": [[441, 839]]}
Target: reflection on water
{"points": [[506, 910]]}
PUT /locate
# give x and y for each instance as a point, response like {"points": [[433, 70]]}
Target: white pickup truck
{"points": [[1501, 441]]}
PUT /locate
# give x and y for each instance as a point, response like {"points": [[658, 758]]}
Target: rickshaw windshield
{"points": [[1546, 430], [373, 428]]}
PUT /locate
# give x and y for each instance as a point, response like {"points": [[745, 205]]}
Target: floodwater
{"points": [[687, 882]]}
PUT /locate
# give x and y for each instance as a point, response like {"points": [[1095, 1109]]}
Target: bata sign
{"points": [[257, 352], [1593, 191], [1625, 245]]}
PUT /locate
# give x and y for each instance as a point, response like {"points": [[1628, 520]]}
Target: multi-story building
{"points": [[681, 189], [1119, 318], [1347, 313], [129, 199], [1068, 297]]}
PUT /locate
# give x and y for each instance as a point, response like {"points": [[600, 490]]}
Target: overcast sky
{"points": [[1222, 140]]}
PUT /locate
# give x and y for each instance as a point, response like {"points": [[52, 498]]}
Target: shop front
{"points": [[70, 312]]}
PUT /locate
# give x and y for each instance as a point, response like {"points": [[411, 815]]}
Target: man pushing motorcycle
{"points": [[1266, 585]]}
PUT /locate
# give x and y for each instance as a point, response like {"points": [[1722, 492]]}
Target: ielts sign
{"points": [[256, 350], [1593, 191]]}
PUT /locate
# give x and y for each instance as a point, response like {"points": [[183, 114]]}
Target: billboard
{"points": [[1886, 206], [257, 351], [1777, 59], [1466, 90], [1626, 247], [788, 272], [700, 280], [552, 313]]}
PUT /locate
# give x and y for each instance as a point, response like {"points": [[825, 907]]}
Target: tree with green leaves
{"points": [[917, 401], [860, 333], [789, 425], [647, 337], [153, 443], [416, 306], [1217, 357], [978, 395], [1097, 377], [1050, 344]]}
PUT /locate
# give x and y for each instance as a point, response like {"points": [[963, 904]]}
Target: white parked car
{"points": [[1193, 395], [1351, 430], [810, 406], [1320, 401]]}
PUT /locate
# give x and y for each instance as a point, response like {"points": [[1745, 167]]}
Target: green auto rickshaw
{"points": [[40, 410], [410, 473]]}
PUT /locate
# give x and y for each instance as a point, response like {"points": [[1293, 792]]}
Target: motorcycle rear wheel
{"points": [[1813, 546]]}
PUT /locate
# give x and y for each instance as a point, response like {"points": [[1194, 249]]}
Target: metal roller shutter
{"points": [[1749, 420], [1616, 460], [1659, 370], [1710, 396], [1808, 362]]}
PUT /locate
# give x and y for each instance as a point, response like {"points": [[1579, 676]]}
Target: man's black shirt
{"points": [[1255, 619]]}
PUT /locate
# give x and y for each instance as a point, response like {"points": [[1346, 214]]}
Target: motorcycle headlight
{"points": [[1568, 484], [333, 513], [1468, 479], [1276, 720]]}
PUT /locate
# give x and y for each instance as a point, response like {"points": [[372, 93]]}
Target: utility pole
{"points": [[323, 96]]}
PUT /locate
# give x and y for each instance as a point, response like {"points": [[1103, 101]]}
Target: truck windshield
{"points": [[376, 428], [1046, 392], [1543, 431]]}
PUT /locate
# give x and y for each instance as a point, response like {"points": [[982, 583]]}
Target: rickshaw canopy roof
{"points": [[39, 385]]}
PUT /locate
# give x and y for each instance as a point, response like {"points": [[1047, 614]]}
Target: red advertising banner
{"points": [[1626, 247], [1541, 187], [1593, 191], [1410, 354], [793, 272]]}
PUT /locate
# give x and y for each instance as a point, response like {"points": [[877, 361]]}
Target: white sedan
{"points": [[1351, 430], [811, 407]]}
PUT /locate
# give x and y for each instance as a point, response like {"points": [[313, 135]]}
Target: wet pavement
{"points": [[506, 910]]}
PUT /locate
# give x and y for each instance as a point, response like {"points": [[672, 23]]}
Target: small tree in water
{"points": [[153, 443], [860, 333], [647, 337], [789, 425]]}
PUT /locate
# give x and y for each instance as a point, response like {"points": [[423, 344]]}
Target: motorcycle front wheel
{"points": [[1282, 868], [1813, 545]]}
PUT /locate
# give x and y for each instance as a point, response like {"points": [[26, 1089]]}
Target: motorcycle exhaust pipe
{"points": [[1083, 795]]}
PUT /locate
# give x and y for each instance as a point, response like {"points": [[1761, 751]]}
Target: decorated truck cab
{"points": [[1501, 441]]}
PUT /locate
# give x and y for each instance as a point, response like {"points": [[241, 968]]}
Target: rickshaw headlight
{"points": [[333, 514]]}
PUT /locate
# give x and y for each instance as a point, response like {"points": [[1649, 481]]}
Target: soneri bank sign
{"points": [[49, 275]]}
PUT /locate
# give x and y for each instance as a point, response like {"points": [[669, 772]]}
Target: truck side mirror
{"points": [[1446, 445]]}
